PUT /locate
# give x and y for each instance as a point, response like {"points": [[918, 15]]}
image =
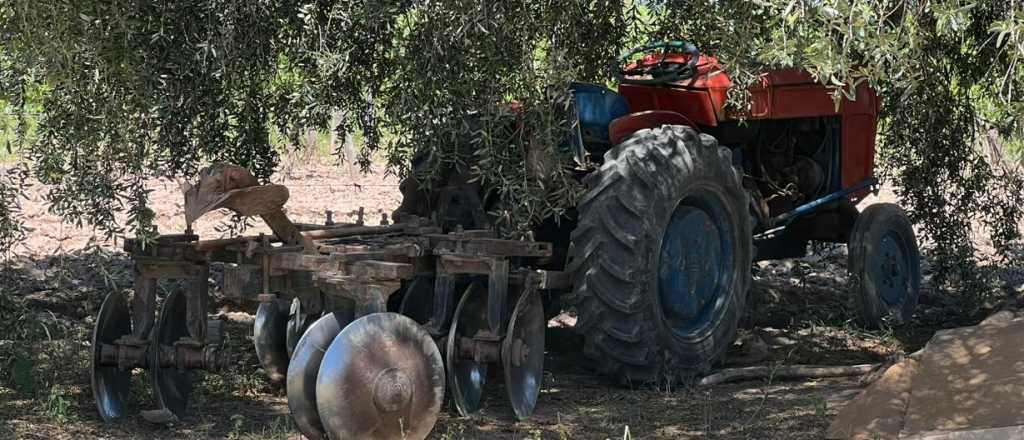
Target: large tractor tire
{"points": [[661, 256], [884, 265]]}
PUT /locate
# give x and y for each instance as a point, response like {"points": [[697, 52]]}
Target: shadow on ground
{"points": [[799, 309], [47, 310]]}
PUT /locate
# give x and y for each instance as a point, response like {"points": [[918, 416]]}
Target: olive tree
{"points": [[141, 88]]}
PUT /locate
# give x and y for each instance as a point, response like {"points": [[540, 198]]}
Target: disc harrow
{"points": [[365, 326]]}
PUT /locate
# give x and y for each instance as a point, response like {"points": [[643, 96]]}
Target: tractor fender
{"points": [[620, 128]]}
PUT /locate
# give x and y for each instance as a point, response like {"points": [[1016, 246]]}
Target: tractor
{"points": [[369, 328], [684, 194]]}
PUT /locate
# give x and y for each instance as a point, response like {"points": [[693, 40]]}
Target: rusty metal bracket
{"points": [[444, 304], [143, 307], [497, 297], [552, 279], [367, 283], [496, 269], [242, 280], [453, 244], [480, 350], [164, 269], [197, 300], [183, 356], [285, 230]]}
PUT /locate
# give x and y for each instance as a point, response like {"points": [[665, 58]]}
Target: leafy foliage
{"points": [[11, 183], [142, 88], [936, 64]]}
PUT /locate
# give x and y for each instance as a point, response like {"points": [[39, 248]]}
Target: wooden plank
{"points": [[304, 262], [382, 270]]}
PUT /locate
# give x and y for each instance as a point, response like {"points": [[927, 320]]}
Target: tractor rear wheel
{"points": [[661, 257]]}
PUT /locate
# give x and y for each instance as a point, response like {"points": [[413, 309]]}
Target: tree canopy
{"points": [[133, 89]]}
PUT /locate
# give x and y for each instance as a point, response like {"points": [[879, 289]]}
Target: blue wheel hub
{"points": [[890, 269], [695, 266]]}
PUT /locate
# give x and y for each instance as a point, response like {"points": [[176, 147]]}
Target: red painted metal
{"points": [[622, 127], [781, 94]]}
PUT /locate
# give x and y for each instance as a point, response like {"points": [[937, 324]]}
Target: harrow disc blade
{"points": [[522, 353], [110, 385], [171, 386], [466, 377], [268, 335], [298, 321], [381, 378], [418, 300], [303, 369]]}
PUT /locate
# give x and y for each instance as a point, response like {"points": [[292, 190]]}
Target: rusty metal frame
{"points": [[345, 263]]}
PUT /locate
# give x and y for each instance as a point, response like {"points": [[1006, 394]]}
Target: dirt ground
{"points": [[800, 313]]}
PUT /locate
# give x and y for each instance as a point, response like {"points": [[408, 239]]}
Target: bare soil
{"points": [[800, 313]]}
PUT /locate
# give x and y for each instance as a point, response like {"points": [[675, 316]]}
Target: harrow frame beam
{"points": [[327, 267]]}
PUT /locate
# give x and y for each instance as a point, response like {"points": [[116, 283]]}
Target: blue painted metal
{"points": [[694, 266], [595, 108], [783, 220], [890, 269]]}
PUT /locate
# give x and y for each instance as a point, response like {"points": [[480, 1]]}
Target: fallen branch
{"points": [[786, 372]]}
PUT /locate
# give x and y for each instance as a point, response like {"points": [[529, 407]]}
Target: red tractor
{"points": [[688, 195], [683, 195]]}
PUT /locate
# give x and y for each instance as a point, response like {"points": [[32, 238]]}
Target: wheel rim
{"points": [[695, 265], [890, 268]]}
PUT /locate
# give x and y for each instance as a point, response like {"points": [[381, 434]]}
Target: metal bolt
{"points": [[392, 390]]}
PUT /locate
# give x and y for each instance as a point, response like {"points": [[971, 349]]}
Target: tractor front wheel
{"points": [[884, 265], [661, 257]]}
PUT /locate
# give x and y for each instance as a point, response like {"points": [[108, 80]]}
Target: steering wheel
{"points": [[663, 71]]}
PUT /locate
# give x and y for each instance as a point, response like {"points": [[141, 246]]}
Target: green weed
{"points": [[237, 427], [535, 434], [280, 428], [10, 144], [453, 431], [58, 405], [820, 407]]}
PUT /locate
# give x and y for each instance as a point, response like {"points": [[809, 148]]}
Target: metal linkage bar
{"points": [[784, 219]]}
